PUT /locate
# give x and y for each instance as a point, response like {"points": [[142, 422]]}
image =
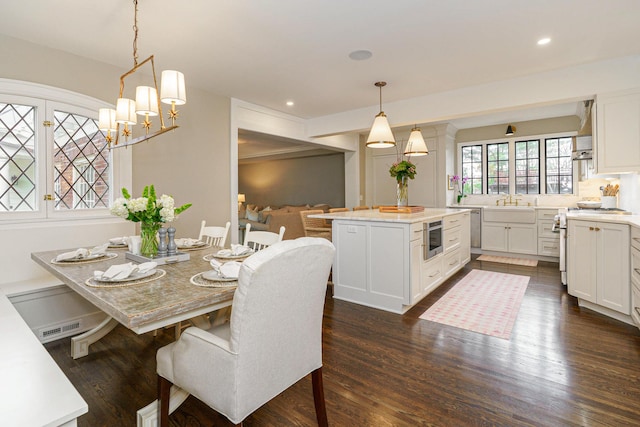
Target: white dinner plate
{"points": [[134, 276], [214, 276], [195, 245]]}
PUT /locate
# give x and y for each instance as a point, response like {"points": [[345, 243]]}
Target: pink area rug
{"points": [[509, 260], [483, 301]]}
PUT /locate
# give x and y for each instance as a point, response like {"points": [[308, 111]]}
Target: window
{"points": [[17, 158], [559, 167], [527, 160], [539, 164], [498, 168], [472, 169], [54, 161]]}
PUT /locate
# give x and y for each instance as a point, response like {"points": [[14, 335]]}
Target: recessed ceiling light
{"points": [[289, 103], [360, 55], [544, 41]]}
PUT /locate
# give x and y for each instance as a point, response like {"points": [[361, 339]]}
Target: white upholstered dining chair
{"points": [[273, 340], [214, 235], [258, 240]]}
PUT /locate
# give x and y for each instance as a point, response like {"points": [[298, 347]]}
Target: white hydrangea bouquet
{"points": [[151, 212]]}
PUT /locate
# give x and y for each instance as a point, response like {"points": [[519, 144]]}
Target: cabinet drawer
{"points": [[635, 303], [452, 238], [635, 237], [451, 262], [549, 247], [544, 230], [635, 265], [431, 273], [415, 231], [546, 214], [452, 221]]}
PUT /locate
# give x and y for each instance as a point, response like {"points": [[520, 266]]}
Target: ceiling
{"points": [[267, 53]]}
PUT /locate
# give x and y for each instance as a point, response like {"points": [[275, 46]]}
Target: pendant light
{"points": [[380, 135], [416, 145]]}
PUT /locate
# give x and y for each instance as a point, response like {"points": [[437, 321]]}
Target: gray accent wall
{"points": [[306, 180]]}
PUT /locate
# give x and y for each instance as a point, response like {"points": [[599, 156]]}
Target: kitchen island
{"points": [[391, 261]]}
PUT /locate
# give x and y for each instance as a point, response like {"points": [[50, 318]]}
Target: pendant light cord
{"points": [[135, 33]]}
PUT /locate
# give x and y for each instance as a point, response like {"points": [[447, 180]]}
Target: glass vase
{"points": [[148, 239], [402, 192]]}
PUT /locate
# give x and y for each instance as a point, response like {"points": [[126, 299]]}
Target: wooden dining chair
{"points": [[361, 208], [214, 235], [332, 210], [258, 240], [315, 227]]}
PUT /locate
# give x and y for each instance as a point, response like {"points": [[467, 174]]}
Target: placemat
{"points": [[198, 280], [96, 284], [108, 255]]}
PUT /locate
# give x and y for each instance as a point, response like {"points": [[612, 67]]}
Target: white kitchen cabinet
{"points": [[598, 263], [510, 237], [617, 145], [465, 238]]}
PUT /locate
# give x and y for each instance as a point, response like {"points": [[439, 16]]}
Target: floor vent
{"points": [[52, 331]]}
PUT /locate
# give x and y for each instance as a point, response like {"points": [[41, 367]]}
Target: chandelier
{"points": [[147, 103]]}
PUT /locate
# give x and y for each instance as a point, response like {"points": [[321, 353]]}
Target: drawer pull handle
{"points": [[453, 240], [637, 270], [453, 263], [435, 274], [637, 309]]}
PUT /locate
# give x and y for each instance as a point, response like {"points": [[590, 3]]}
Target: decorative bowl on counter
{"points": [[589, 204]]}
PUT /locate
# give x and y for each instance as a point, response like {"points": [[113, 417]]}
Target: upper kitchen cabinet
{"points": [[618, 132]]}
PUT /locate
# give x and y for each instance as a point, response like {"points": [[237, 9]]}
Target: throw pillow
{"points": [[263, 213], [252, 215]]}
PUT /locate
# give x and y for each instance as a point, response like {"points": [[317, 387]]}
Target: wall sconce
{"points": [[241, 200], [510, 130]]}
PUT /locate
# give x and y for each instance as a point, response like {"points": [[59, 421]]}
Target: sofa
{"points": [[271, 218]]}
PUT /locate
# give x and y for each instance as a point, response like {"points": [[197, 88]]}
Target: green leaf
{"points": [[125, 193], [182, 208]]}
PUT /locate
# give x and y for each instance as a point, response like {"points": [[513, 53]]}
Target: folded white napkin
{"points": [[82, 253], [230, 270], [122, 271], [227, 270], [118, 240], [187, 242], [236, 250]]}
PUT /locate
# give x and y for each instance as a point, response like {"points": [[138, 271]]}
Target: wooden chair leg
{"points": [[318, 397], [164, 392]]}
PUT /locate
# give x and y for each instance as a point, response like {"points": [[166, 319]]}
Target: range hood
{"points": [[582, 148]]}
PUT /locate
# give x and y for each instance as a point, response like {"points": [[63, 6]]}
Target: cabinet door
{"points": [[494, 236], [614, 291], [618, 133], [523, 238], [581, 260]]}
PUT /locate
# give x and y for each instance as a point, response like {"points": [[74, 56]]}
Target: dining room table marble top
{"points": [[146, 306]]}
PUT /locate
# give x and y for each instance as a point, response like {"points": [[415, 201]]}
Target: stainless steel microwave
{"points": [[431, 239]]}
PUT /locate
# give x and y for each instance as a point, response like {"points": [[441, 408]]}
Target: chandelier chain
{"points": [[135, 33]]}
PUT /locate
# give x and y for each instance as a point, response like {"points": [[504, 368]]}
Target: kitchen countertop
{"points": [[633, 220], [375, 215]]}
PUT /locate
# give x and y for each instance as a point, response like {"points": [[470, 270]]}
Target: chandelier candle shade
{"points": [[146, 103], [380, 135]]}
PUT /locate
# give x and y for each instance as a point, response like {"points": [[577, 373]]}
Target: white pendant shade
{"points": [[380, 135], [126, 111], [172, 89], [107, 119], [416, 145], [146, 100]]}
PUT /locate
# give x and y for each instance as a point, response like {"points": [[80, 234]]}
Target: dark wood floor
{"points": [[563, 366]]}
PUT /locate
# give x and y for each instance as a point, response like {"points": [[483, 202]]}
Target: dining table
{"points": [[169, 297], [175, 292]]}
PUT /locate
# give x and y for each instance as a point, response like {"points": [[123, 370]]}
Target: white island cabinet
{"points": [[379, 258]]}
